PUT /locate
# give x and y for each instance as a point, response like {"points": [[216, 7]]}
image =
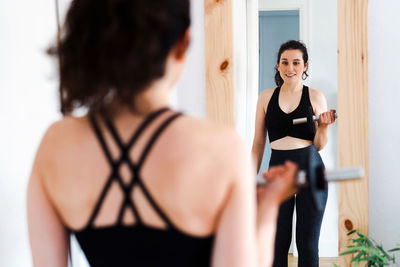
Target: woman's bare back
{"points": [[186, 172]]}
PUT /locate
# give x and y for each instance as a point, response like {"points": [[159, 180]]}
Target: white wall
{"points": [[384, 122], [27, 106], [191, 89]]}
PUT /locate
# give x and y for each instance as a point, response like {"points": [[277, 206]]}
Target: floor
{"points": [[323, 262]]}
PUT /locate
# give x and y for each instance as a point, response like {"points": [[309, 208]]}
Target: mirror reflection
{"points": [[298, 79]]}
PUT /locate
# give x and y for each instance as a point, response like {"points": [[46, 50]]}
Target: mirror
{"points": [[269, 24]]}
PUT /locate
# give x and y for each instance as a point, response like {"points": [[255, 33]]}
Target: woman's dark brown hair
{"points": [[114, 49]]}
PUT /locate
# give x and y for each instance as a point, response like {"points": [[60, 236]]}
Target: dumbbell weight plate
{"points": [[316, 181], [317, 178]]}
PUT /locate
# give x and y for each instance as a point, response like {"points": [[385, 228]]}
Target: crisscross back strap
{"points": [[134, 168]]}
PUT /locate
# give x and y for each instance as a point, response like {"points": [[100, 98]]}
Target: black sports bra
{"points": [[280, 124], [138, 244]]}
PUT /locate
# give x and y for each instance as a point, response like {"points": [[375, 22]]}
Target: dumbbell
{"points": [[304, 120], [317, 178]]}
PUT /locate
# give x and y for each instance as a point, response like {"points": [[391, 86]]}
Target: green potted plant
{"points": [[367, 250]]}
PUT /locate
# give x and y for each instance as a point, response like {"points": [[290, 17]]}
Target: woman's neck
{"points": [[292, 88], [153, 98]]}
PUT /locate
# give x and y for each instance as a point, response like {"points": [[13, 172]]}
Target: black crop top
{"points": [[280, 124], [138, 244]]}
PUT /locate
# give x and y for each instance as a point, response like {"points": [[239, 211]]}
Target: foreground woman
{"points": [[138, 183]]}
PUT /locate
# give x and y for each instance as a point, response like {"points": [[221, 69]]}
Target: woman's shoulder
{"points": [[267, 92], [73, 132], [208, 133], [67, 128], [315, 93], [316, 96], [218, 144], [61, 135], [265, 97]]}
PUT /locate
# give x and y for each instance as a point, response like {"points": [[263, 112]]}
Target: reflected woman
{"points": [[276, 109]]}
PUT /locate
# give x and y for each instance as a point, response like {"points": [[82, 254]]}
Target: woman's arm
{"points": [[260, 132], [48, 237], [235, 241], [245, 233], [326, 117]]}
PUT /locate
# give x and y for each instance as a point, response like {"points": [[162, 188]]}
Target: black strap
{"points": [[275, 98], [138, 132], [146, 151], [135, 168], [305, 98]]}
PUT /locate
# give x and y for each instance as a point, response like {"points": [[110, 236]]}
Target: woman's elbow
{"points": [[318, 146], [321, 144]]}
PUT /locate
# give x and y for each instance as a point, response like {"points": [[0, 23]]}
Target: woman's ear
{"points": [[182, 45]]}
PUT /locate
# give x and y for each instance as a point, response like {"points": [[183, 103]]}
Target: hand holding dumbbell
{"points": [[281, 182], [324, 118], [315, 177]]}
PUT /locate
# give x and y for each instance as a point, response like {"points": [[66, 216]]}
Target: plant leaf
{"points": [[360, 234], [357, 258], [383, 251], [351, 232], [369, 242]]}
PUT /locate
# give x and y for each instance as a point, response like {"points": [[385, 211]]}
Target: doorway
{"points": [[275, 28]]}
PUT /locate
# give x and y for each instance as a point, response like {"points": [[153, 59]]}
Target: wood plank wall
{"points": [[218, 22], [353, 115]]}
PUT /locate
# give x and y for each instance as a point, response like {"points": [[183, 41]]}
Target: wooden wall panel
{"points": [[353, 115], [219, 61]]}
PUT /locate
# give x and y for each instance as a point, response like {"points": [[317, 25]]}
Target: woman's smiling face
{"points": [[291, 66]]}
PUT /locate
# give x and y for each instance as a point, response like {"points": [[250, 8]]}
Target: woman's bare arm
{"points": [[235, 241], [260, 132], [48, 237], [326, 117], [245, 233]]}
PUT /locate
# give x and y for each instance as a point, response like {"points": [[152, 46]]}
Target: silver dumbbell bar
{"points": [[340, 174], [304, 120]]}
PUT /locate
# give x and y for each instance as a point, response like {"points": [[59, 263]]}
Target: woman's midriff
{"points": [[288, 142]]}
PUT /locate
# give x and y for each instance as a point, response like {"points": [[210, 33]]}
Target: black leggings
{"points": [[308, 224]]}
